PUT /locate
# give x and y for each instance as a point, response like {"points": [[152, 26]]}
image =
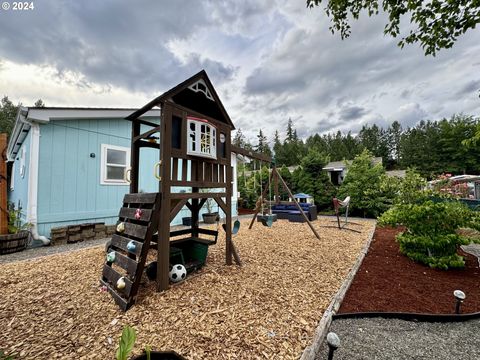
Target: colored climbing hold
{"points": [[131, 246], [121, 283], [111, 257], [138, 214], [121, 227]]}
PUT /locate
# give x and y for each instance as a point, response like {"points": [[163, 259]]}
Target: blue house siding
{"points": [[19, 194], [69, 186]]}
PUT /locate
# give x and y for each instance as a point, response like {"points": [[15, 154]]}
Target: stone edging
{"points": [[321, 331]]}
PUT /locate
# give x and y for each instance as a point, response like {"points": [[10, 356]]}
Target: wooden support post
{"points": [[134, 158], [163, 243], [195, 212], [3, 185], [284, 184], [228, 218]]}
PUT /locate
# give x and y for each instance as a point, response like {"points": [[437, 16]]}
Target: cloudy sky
{"points": [[269, 61]]}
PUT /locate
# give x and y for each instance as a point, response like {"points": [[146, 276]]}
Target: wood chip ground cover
{"points": [[52, 308]]}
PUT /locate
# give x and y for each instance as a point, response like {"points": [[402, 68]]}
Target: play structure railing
{"points": [[197, 173]]}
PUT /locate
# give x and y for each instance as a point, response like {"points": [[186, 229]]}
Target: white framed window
{"points": [[23, 155], [12, 177], [202, 138], [114, 161]]}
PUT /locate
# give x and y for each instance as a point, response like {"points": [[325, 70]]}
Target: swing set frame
{"points": [[276, 179]]}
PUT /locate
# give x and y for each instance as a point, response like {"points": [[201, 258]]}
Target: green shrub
{"points": [[431, 231], [371, 191]]}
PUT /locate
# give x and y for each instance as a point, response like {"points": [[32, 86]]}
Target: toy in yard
{"points": [[121, 227], [195, 152], [345, 204], [131, 247], [111, 257], [121, 283], [138, 214], [177, 273], [235, 229]]}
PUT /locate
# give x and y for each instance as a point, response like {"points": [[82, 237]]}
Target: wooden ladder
{"points": [[139, 231]]}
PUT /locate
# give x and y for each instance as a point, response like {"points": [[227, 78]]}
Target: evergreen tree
{"points": [[8, 114], [394, 135], [311, 179], [239, 138], [290, 132], [39, 103], [364, 184]]}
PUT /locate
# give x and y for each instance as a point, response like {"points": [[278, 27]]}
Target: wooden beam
{"points": [[251, 154], [178, 206], [222, 204], [200, 184], [144, 122], [147, 133], [197, 195], [284, 184], [235, 255]]}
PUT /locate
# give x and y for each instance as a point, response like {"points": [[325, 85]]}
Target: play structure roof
{"points": [[183, 95]]}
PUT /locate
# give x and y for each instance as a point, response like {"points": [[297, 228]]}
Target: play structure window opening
{"points": [[202, 138]]}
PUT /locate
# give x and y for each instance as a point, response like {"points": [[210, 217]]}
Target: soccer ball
{"points": [[177, 273]]}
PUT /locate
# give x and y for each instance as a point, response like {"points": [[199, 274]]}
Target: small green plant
{"points": [[6, 357], [127, 340], [15, 224], [148, 351], [431, 234]]}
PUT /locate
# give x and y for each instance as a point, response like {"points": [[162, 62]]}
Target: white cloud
{"points": [[270, 61]]}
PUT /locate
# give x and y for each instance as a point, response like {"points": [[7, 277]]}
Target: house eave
{"points": [[27, 116]]}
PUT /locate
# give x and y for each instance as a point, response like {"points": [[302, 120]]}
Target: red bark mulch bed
{"points": [[242, 211], [388, 281]]}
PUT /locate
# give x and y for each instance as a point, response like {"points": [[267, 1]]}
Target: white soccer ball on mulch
{"points": [[177, 273]]}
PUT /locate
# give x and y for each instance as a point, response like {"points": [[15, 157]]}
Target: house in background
{"points": [[69, 166], [338, 169]]}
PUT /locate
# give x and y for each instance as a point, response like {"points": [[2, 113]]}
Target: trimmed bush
{"points": [[431, 234]]}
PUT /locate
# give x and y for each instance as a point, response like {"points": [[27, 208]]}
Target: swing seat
{"points": [[267, 220], [235, 229]]}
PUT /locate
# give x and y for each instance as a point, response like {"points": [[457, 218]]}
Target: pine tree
{"points": [[8, 114], [239, 138]]}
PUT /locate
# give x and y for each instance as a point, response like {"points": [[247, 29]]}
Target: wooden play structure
{"points": [[193, 137]]}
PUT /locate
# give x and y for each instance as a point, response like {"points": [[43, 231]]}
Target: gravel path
{"points": [[49, 250], [37, 252], [398, 339]]}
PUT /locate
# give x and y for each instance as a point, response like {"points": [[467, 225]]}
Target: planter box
{"points": [[11, 243], [210, 218], [187, 221], [160, 355]]}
